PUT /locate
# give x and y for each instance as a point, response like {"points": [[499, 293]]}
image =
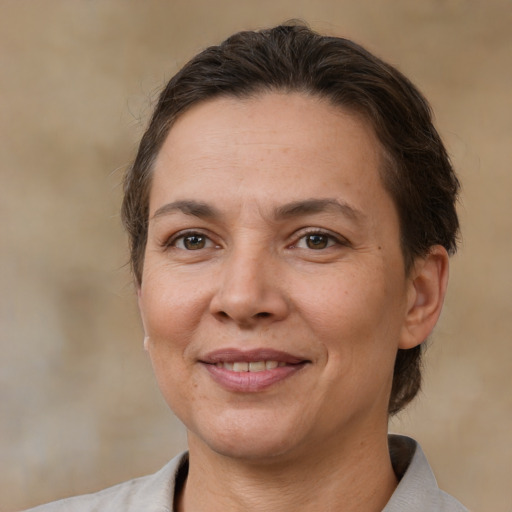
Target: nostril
{"points": [[263, 314]]}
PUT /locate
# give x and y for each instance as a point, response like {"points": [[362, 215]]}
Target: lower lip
{"points": [[251, 382]]}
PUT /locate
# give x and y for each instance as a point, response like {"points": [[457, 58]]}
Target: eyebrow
{"points": [[290, 210], [310, 206], [188, 207]]}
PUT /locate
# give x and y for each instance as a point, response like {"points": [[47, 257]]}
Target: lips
{"points": [[251, 371], [249, 366]]}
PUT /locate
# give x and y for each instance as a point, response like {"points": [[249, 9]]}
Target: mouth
{"points": [[251, 371], [249, 366]]}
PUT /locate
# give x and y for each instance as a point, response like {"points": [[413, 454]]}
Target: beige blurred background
{"points": [[79, 409]]}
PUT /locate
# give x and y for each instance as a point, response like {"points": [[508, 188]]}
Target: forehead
{"points": [[278, 117], [291, 140]]}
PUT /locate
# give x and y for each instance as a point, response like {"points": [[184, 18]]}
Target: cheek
{"points": [[338, 301], [171, 313], [170, 308], [353, 314]]}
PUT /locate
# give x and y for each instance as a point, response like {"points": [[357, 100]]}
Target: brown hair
{"points": [[416, 172]]}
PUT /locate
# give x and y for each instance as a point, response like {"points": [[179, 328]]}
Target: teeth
{"points": [[258, 366], [254, 366], [240, 367]]}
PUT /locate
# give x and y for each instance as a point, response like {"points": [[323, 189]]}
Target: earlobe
{"points": [[146, 337], [427, 289]]}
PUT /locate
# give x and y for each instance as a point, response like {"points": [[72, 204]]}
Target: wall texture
{"points": [[79, 409]]}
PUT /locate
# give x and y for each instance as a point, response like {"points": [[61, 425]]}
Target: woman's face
{"points": [[273, 292]]}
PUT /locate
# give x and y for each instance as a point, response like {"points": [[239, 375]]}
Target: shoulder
{"points": [[417, 490], [152, 493]]}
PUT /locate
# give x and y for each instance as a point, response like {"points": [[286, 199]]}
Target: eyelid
{"points": [[171, 240], [338, 239]]}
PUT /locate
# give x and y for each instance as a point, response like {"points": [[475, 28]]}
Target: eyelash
{"points": [[183, 235], [332, 240]]}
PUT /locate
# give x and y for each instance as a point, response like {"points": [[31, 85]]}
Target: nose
{"points": [[249, 291]]}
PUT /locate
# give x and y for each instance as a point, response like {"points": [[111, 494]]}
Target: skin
{"points": [[238, 258]]}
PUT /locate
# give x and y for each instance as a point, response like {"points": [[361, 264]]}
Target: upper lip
{"points": [[233, 355]]}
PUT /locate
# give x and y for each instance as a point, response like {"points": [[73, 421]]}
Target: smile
{"points": [[249, 366], [251, 371]]}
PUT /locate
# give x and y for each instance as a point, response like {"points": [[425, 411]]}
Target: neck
{"points": [[354, 478]]}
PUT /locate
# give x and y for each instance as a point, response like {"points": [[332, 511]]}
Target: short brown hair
{"points": [[291, 57]]}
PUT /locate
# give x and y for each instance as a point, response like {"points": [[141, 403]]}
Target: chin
{"points": [[251, 440], [261, 450]]}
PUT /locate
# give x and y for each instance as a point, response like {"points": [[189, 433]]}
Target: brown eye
{"points": [[317, 241], [192, 242]]}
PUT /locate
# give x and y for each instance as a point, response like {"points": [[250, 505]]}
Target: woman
{"points": [[291, 211]]}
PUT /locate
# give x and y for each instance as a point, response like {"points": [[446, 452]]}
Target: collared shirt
{"points": [[417, 490]]}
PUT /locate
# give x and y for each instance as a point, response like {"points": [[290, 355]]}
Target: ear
{"points": [[146, 337], [139, 300], [427, 288]]}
